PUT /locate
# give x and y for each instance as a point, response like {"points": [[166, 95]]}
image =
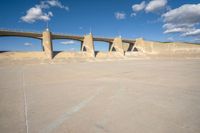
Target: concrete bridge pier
{"points": [[117, 45], [88, 45], [47, 43]]}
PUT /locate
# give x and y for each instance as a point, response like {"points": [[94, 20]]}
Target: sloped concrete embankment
{"points": [[65, 55], [171, 49]]}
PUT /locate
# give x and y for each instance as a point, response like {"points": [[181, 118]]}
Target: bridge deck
{"points": [[21, 34], [57, 36]]}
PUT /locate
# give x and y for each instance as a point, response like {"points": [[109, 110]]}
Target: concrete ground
{"points": [[135, 96]]}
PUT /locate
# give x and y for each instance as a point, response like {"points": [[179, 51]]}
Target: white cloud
{"points": [[28, 44], [151, 6], [68, 42], [133, 14], [120, 15], [173, 28], [184, 20], [193, 32], [188, 13], [170, 39], [138, 7], [57, 3], [52, 3], [155, 5], [37, 12]]}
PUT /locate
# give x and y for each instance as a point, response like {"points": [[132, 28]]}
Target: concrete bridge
{"points": [[87, 41]]}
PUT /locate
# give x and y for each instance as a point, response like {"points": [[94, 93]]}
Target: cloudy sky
{"points": [[158, 20]]}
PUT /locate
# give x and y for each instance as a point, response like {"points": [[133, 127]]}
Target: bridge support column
{"points": [[88, 45], [117, 46], [47, 44]]}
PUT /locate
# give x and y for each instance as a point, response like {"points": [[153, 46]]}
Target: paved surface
{"points": [[138, 96]]}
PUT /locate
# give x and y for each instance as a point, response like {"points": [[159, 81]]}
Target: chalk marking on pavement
{"points": [[25, 103], [67, 114]]}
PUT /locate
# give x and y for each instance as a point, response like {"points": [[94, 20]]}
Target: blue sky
{"points": [[158, 20]]}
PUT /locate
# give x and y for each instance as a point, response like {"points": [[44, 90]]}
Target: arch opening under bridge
{"points": [[101, 46], [68, 45], [20, 43]]}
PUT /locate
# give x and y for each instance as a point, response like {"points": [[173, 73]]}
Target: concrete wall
{"points": [[173, 48]]}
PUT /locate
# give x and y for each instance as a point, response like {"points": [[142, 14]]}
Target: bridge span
{"points": [[87, 41]]}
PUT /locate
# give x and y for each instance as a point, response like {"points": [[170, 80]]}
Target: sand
{"points": [[130, 96]]}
